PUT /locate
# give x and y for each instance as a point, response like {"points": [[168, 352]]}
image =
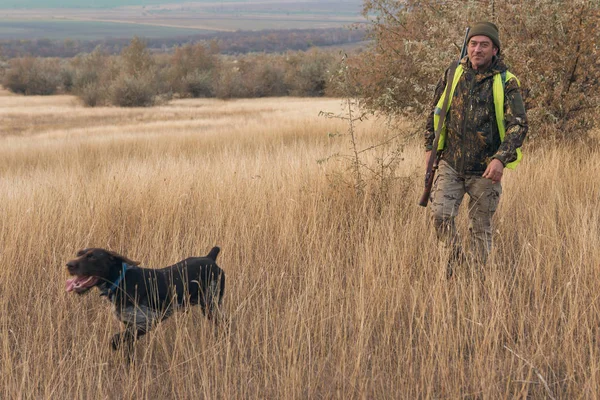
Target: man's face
{"points": [[481, 49]]}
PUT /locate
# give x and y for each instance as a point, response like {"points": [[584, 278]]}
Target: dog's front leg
{"points": [[126, 340]]}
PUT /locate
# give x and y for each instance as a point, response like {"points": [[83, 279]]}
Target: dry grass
{"points": [[329, 295]]}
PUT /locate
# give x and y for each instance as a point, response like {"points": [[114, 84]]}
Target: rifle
{"points": [[432, 164]]}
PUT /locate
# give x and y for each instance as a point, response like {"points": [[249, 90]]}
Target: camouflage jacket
{"points": [[472, 138]]}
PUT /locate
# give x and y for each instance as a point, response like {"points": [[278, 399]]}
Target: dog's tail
{"points": [[214, 252]]}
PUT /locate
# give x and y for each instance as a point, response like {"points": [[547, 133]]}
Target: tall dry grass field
{"points": [[329, 294]]}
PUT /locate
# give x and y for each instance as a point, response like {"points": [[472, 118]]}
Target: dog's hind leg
{"points": [[213, 299]]}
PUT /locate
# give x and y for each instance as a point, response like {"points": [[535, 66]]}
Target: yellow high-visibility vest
{"points": [[498, 91]]}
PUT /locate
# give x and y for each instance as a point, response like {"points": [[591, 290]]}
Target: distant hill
{"points": [[123, 19], [12, 4], [16, 4]]}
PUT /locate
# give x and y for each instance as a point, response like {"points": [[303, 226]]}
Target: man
{"points": [[475, 148]]}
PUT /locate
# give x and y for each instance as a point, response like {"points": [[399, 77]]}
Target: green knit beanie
{"points": [[486, 29]]}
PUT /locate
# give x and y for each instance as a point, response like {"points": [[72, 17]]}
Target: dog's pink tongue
{"points": [[70, 284], [81, 282]]}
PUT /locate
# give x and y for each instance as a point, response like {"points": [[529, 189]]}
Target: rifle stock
{"points": [[427, 192], [432, 163], [429, 176]]}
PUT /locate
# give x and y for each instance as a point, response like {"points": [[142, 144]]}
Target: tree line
{"points": [[139, 77], [231, 43]]}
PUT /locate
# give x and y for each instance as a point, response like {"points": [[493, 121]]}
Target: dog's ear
{"points": [[83, 251], [121, 258]]}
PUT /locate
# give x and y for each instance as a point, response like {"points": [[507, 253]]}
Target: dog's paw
{"points": [[116, 342]]}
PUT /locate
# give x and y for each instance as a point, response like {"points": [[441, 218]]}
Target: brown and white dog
{"points": [[142, 297]]}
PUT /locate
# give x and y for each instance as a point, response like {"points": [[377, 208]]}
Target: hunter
{"points": [[485, 126]]}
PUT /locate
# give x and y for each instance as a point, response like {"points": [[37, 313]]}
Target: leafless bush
{"points": [[192, 69], [307, 73], [33, 76], [264, 75], [92, 74], [133, 91], [197, 84], [138, 78], [130, 80]]}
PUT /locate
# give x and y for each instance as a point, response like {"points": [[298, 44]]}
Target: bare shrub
{"points": [[130, 80], [303, 74], [368, 168], [263, 75], [197, 84], [92, 94], [133, 91], [33, 76], [307, 73], [192, 70], [15, 78], [230, 82], [136, 84], [93, 73], [135, 59], [67, 78]]}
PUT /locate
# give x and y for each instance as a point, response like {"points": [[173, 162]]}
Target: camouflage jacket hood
{"points": [[472, 138]]}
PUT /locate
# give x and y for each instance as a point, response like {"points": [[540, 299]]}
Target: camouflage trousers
{"points": [[448, 191]]}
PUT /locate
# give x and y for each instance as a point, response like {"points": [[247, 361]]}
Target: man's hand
{"points": [[494, 171]]}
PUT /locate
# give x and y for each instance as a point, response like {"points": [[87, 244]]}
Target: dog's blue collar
{"points": [[114, 285]]}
